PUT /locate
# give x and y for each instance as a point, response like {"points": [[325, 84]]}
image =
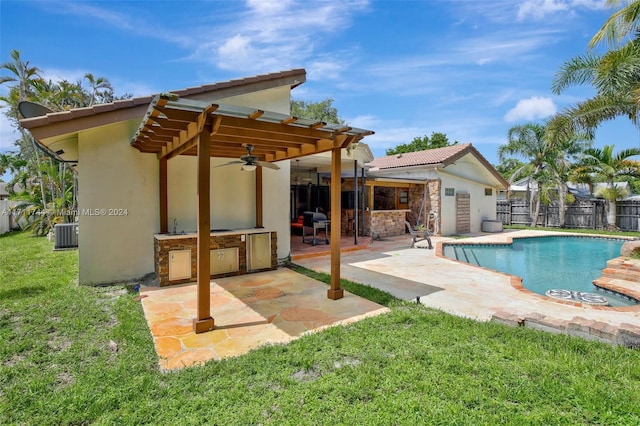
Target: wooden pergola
{"points": [[173, 126]]}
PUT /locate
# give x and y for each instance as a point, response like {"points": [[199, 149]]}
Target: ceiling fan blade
{"points": [[268, 165], [230, 163]]}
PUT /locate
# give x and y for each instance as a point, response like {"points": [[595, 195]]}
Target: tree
{"points": [[44, 183], [323, 111], [508, 166], [527, 141], [437, 140], [615, 75], [604, 166], [620, 24]]}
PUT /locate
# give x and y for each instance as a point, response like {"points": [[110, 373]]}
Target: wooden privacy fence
{"points": [[585, 214]]}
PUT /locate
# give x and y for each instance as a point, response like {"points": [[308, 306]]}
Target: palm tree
{"points": [[529, 142], [562, 148], [96, 84], [620, 24], [604, 166], [25, 76], [615, 75]]}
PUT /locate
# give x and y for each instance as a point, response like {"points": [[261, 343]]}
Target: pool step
{"points": [[621, 275], [622, 268], [467, 255]]}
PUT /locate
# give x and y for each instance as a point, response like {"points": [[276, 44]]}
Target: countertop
{"points": [[214, 233]]}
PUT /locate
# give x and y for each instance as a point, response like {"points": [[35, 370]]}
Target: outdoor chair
{"points": [[418, 235]]}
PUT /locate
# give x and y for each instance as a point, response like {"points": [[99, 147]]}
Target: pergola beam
{"points": [[187, 138]]}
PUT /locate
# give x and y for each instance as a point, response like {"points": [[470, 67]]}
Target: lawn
{"points": [[71, 354]]}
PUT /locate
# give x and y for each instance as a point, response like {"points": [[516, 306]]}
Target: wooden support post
{"points": [[164, 198], [204, 322], [335, 292], [259, 218]]}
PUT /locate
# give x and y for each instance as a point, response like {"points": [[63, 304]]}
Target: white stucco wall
{"points": [[118, 205], [466, 175], [483, 207], [116, 177], [233, 201]]}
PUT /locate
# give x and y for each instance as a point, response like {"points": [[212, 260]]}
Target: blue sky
{"points": [[468, 68]]}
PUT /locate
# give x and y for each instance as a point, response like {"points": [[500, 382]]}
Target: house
{"points": [[521, 189], [452, 189], [4, 194], [159, 195]]}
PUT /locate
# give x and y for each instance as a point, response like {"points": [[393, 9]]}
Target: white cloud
{"points": [[277, 34], [531, 109], [538, 9]]}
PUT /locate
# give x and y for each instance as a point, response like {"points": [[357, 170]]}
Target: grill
{"points": [[311, 223]]}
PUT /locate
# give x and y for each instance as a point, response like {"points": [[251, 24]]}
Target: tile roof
{"points": [[432, 157], [444, 155], [298, 76]]}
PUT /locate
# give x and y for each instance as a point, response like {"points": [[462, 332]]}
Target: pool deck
{"points": [[458, 288]]}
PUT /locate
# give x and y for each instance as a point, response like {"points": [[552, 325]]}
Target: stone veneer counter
{"points": [[387, 223], [218, 240]]}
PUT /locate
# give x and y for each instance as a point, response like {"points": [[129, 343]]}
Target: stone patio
{"points": [[249, 311]]}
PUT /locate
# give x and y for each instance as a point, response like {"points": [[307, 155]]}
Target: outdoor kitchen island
{"points": [[232, 252]]}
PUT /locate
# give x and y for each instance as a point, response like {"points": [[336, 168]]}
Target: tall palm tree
{"points": [[529, 142], [25, 75], [99, 87], [620, 24], [615, 75], [604, 166]]}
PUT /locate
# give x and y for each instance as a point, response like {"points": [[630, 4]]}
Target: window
{"points": [[449, 192], [403, 198], [488, 191]]}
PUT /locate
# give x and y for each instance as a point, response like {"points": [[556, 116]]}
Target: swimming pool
{"points": [[546, 263]]}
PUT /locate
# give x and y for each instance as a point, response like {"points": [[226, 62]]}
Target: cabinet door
{"points": [[259, 251], [223, 261], [179, 264]]}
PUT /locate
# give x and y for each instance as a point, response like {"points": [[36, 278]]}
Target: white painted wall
{"points": [[483, 207], [113, 176], [466, 175], [4, 217]]}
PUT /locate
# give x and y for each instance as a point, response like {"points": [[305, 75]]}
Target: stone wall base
{"points": [[627, 335]]}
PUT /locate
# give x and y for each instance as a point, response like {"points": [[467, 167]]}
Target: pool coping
{"points": [[516, 281]]}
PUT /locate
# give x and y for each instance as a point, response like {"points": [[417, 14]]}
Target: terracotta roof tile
{"points": [[419, 158], [55, 117]]}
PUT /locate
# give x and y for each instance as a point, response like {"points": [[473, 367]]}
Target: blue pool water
{"points": [[546, 263]]}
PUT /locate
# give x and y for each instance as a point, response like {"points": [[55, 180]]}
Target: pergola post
{"points": [[164, 198], [204, 322], [335, 292]]}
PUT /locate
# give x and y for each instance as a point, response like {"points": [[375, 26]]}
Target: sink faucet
{"points": [[175, 225]]}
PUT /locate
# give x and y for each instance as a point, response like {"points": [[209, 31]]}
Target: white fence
{"points": [[5, 217]]}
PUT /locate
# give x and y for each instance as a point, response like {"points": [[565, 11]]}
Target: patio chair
{"points": [[418, 235]]}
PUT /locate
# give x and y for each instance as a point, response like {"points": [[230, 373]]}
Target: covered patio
{"points": [[173, 126]]}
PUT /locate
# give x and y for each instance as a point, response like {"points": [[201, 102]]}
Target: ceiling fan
{"points": [[250, 162]]}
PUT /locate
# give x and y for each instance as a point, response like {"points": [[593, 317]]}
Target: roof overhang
{"points": [[171, 124]]}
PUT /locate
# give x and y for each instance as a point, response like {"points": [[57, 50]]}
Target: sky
{"points": [[471, 69]]}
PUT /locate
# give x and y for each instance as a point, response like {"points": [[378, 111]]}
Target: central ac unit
{"points": [[65, 236]]}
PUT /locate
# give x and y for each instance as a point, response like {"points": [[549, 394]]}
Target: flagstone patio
{"points": [[249, 311]]}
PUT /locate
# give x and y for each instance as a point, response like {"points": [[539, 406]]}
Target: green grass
{"points": [[410, 366]]}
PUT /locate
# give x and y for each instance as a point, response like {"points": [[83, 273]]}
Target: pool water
{"points": [[545, 263]]}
